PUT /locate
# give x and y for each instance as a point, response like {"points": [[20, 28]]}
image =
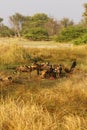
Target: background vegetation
{"points": [[41, 27]]}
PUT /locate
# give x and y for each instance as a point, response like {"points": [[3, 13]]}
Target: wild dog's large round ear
{"points": [[10, 78]]}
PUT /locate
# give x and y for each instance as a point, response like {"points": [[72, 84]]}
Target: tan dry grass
{"points": [[62, 107], [12, 54]]}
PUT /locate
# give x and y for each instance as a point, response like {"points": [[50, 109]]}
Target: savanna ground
{"points": [[31, 103]]}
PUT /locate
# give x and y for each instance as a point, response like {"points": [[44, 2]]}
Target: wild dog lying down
{"points": [[49, 72], [69, 71], [27, 68], [9, 78], [58, 71], [23, 69], [39, 67]]}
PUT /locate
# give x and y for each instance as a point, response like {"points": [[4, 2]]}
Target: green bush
{"points": [[70, 33], [82, 39], [5, 31], [36, 34]]}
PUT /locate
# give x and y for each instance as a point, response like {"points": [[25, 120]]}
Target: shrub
{"points": [[82, 39], [6, 32], [36, 34], [71, 33]]}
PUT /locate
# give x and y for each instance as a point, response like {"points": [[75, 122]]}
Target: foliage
{"points": [[1, 19], [5, 31], [85, 14], [16, 21], [71, 33], [41, 21], [37, 20], [36, 34], [42, 27], [82, 39], [65, 22], [40, 16], [53, 27]]}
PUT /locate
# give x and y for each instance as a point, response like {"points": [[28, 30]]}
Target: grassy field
{"points": [[31, 103], [33, 44]]}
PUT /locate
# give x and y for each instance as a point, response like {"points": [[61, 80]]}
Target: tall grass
{"points": [[12, 54], [62, 107], [34, 104]]}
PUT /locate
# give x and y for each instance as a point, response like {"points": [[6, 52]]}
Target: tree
{"points": [[16, 21], [65, 22], [71, 33], [41, 20], [52, 27], [85, 15], [33, 24], [5, 31], [38, 20], [40, 16], [1, 19], [36, 34], [26, 22]]}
